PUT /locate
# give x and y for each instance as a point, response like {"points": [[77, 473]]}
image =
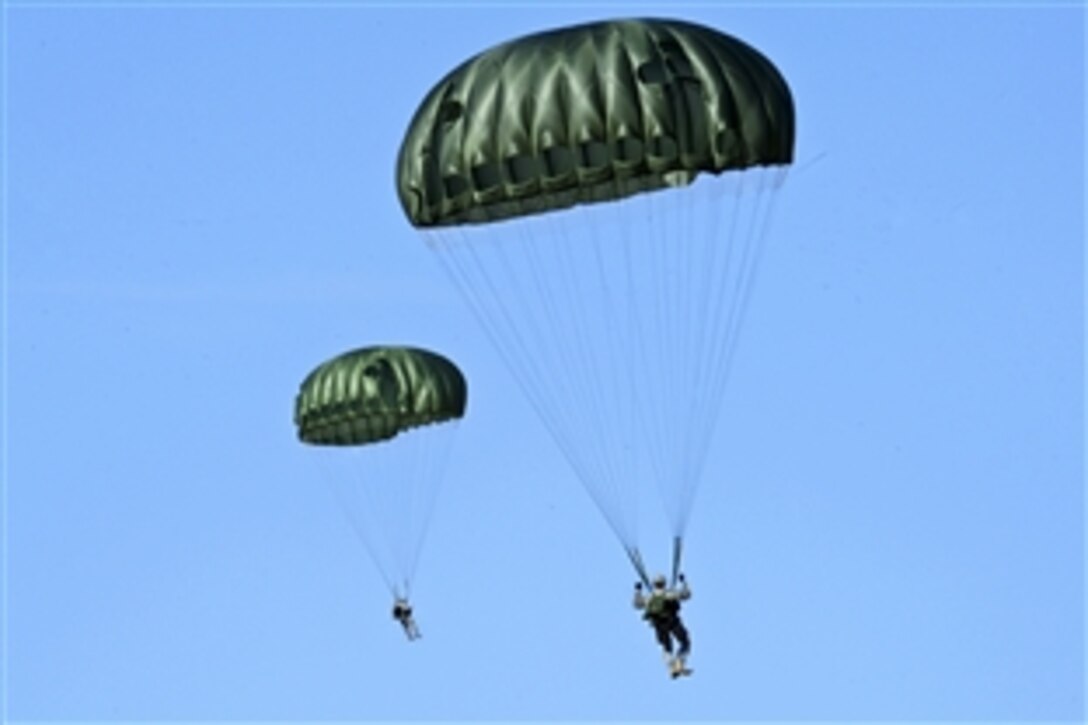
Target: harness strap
{"points": [[677, 546], [636, 560]]}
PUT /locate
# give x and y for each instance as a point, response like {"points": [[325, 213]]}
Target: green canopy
{"points": [[590, 113], [374, 393]]}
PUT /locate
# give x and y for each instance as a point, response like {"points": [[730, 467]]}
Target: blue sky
{"points": [[200, 208]]}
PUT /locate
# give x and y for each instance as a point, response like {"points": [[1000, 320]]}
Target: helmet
{"points": [[659, 581]]}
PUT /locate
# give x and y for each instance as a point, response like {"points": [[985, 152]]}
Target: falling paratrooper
{"points": [[384, 418]]}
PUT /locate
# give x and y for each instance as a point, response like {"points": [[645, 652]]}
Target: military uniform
{"points": [[661, 608]]}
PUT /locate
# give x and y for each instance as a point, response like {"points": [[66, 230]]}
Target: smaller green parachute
{"points": [[374, 393]]}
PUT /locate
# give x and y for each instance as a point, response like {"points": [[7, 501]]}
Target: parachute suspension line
{"points": [[549, 366], [455, 256], [636, 560], [459, 258], [696, 261], [677, 546], [349, 494], [616, 371], [720, 308], [680, 268], [650, 243], [589, 334], [639, 416], [612, 251], [709, 261], [639, 327], [388, 492], [665, 242], [720, 252], [611, 333], [746, 241], [400, 493], [432, 446], [755, 245], [685, 363], [579, 337]]}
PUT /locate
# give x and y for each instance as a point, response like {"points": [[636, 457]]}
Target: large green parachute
{"points": [[373, 393], [590, 113], [380, 422], [617, 311]]}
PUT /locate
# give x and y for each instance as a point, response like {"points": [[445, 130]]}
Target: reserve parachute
{"points": [[600, 195]]}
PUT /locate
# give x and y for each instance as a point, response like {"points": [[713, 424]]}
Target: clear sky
{"points": [[200, 208]]}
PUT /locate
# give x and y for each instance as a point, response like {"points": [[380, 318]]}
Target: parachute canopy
{"points": [[374, 393], [590, 113]]}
